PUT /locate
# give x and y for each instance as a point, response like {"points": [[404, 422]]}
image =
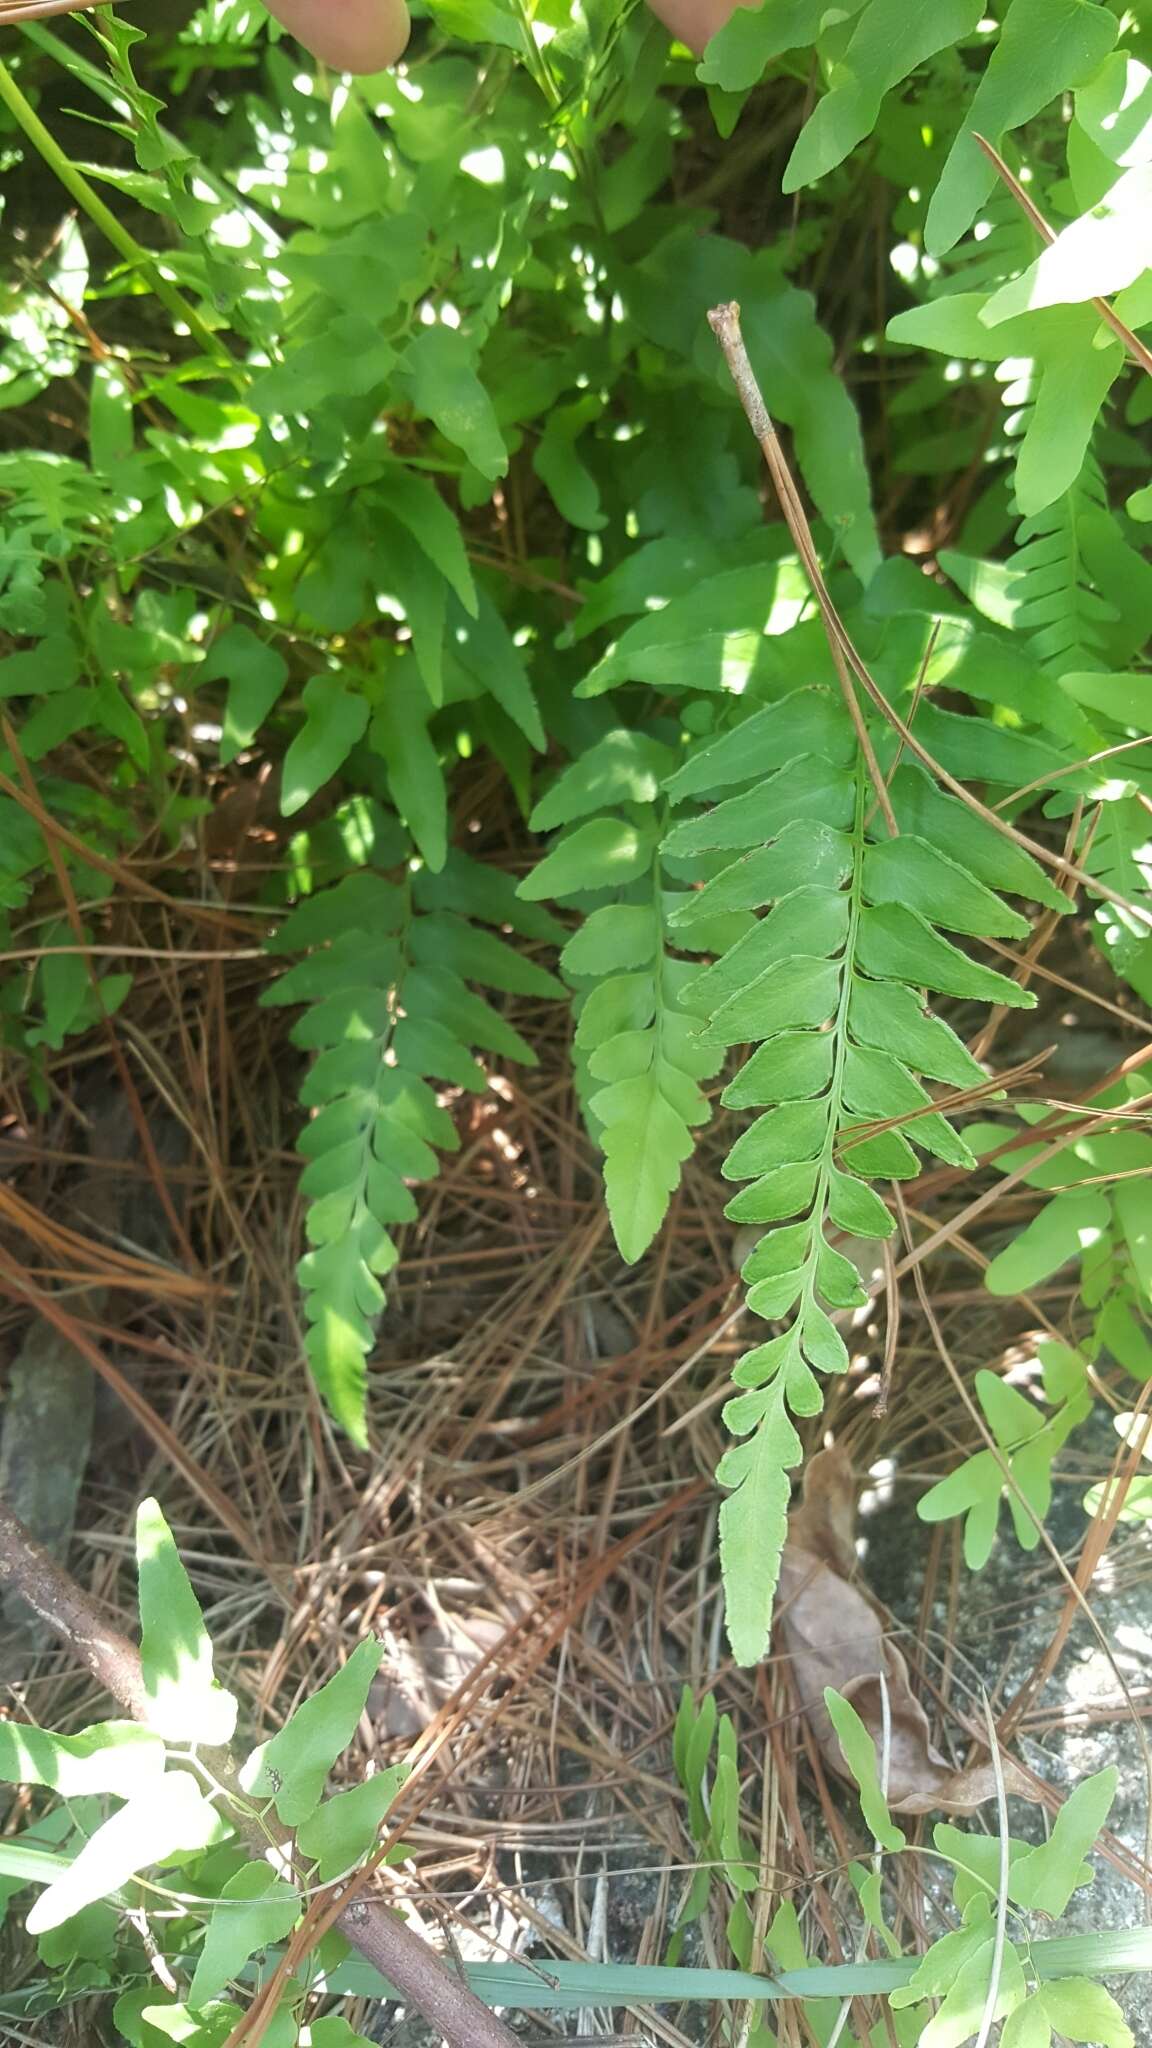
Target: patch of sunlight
{"points": [[357, 831], [232, 229], [485, 165], [1131, 1637], [879, 1494]]}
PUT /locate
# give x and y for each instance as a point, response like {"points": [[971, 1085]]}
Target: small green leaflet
{"points": [[399, 733], [291, 1768], [256, 1908], [860, 1756], [439, 367], [1075, 2008], [889, 40], [334, 720], [603, 853], [186, 1704], [1044, 1880], [1064, 1228], [739, 53], [255, 674], [754, 1523], [341, 1831]]}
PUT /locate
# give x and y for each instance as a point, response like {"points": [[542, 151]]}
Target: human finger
{"points": [[350, 35]]}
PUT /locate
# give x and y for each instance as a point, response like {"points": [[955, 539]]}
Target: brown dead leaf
{"points": [[833, 1635]]}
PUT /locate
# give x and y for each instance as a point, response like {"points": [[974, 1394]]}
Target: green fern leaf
{"points": [[639, 1059], [385, 973], [827, 985]]}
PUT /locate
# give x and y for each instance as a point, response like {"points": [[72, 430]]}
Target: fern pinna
{"points": [[385, 976]]}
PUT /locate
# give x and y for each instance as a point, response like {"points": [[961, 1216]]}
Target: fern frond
{"points": [[390, 1014], [639, 1063], [50, 507], [828, 987]]}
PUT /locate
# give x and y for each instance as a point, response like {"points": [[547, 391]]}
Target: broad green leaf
{"points": [[1099, 254], [889, 40], [399, 733], [334, 720], [794, 993], [52, 665], [255, 1909], [911, 871], [854, 1208], [114, 1756], [623, 767], [738, 54], [959, 2017], [808, 721], [1045, 46], [168, 1816], [186, 1703], [645, 1147], [888, 1016], [334, 2031], [797, 1131], [1065, 1227], [418, 506], [1045, 1879], [1084, 2011], [618, 935], [340, 1832], [974, 1491], [484, 650], [860, 1756], [440, 367], [604, 853], [805, 852], [1132, 1202], [810, 921], [1012, 1417], [790, 1067], [291, 1768], [303, 382], [110, 432], [753, 1525], [255, 674], [898, 943], [422, 591], [575, 492]]}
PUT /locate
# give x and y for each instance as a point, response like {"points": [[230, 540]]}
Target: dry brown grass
{"points": [[533, 1532]]}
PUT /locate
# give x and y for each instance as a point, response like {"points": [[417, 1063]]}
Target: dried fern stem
{"points": [[39, 10]]}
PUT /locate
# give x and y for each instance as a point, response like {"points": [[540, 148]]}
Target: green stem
{"points": [[102, 217], [840, 1055]]}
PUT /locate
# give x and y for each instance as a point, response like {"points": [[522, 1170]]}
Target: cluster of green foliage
{"points": [[161, 1860], [407, 439], [988, 1968], [138, 1797]]}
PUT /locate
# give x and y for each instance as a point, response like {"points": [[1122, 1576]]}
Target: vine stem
{"points": [[102, 216], [725, 324], [415, 1972]]}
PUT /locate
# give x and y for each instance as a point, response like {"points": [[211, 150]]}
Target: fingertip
{"points": [[351, 35]]}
